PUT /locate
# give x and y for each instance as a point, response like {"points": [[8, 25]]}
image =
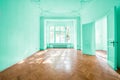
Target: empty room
{"points": [[59, 40]]}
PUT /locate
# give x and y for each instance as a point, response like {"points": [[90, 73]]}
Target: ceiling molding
{"points": [[49, 7]]}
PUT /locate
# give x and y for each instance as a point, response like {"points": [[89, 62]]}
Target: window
{"points": [[60, 34], [51, 34]]}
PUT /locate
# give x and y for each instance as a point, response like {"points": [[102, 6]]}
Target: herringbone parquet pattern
{"points": [[60, 64]]}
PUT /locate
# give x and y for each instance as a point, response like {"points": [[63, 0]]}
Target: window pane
{"points": [[58, 37], [62, 37], [52, 28], [58, 28], [51, 37], [60, 34], [62, 28], [68, 35]]}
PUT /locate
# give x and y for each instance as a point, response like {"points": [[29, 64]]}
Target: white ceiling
{"points": [[61, 7]]}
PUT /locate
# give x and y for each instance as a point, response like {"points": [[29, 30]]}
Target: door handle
{"points": [[113, 42]]}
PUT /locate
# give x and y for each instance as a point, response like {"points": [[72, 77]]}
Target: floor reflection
{"points": [[61, 64], [61, 60]]}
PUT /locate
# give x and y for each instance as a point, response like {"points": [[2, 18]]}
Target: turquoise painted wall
{"points": [[118, 28], [42, 34], [78, 33], [96, 10], [101, 34], [88, 39], [19, 31]]}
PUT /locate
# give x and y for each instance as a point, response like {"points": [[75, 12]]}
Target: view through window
{"points": [[60, 34]]}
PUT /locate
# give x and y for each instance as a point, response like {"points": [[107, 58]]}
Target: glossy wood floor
{"points": [[60, 64], [102, 54]]}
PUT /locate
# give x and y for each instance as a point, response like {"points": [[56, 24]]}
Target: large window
{"points": [[60, 34]]}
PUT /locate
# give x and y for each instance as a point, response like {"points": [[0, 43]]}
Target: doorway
{"points": [[110, 36], [101, 38]]}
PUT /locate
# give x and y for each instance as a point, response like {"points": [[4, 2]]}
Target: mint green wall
{"points": [[78, 33], [88, 39], [101, 34], [42, 34], [118, 28], [19, 31], [96, 10]]}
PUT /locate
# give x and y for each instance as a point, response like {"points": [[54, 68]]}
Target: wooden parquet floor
{"points": [[101, 53], [60, 64]]}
